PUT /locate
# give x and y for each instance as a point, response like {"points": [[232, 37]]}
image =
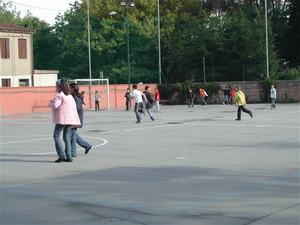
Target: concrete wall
{"points": [[21, 100], [14, 68], [287, 90], [44, 78]]}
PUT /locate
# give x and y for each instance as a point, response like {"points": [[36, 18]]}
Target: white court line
{"points": [[52, 152], [81, 149]]}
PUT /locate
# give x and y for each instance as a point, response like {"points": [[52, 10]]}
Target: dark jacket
{"points": [[79, 107], [150, 100]]}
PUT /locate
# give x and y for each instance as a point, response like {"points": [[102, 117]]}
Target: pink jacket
{"points": [[64, 109]]}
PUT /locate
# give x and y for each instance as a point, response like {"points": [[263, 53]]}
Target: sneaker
{"points": [[237, 119], [152, 118], [59, 160], [88, 149], [251, 114]]}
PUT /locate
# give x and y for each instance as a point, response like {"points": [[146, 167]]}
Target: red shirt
{"points": [[157, 96]]}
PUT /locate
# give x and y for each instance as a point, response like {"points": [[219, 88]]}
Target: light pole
{"points": [[89, 46], [267, 41], [127, 5], [159, 48]]}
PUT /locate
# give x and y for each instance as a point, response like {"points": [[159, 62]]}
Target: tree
{"points": [[292, 37]]}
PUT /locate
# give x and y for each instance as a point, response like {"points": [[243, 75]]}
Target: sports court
{"points": [[198, 167]]}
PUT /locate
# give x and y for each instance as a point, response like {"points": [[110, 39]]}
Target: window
{"points": [[22, 48], [6, 83], [4, 45], [23, 82]]}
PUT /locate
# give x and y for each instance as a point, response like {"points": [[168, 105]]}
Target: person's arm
{"points": [[55, 102]]}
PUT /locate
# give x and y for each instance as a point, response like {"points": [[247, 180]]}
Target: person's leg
{"points": [[192, 100], [205, 103], [239, 113], [273, 103], [80, 141], [67, 140], [246, 111], [136, 108], [73, 141], [150, 113], [58, 145], [157, 105], [127, 105]]}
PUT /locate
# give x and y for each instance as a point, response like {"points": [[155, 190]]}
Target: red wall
{"points": [[21, 100]]}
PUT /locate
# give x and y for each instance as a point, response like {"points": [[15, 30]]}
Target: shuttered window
{"points": [[4, 45], [22, 48], [5, 82]]}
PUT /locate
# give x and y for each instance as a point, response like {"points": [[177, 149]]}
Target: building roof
{"points": [[10, 28]]}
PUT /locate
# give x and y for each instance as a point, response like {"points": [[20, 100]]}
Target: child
{"points": [[157, 99], [240, 101], [150, 102], [128, 99], [139, 106], [64, 116], [273, 96], [190, 98], [203, 95], [97, 100], [75, 138]]}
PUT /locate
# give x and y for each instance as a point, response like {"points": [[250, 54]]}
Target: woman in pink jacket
{"points": [[65, 117]]}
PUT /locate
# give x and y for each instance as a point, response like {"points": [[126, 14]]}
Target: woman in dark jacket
{"points": [[75, 138]]}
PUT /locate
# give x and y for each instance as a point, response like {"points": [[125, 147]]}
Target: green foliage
{"points": [[176, 93], [230, 36], [290, 74]]}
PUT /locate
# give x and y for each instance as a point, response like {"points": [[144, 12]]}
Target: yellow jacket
{"points": [[240, 98]]}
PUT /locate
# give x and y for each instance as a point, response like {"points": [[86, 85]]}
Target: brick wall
{"points": [[21, 100], [287, 90]]}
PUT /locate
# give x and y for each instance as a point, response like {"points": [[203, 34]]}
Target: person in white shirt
{"points": [[273, 96], [139, 106]]}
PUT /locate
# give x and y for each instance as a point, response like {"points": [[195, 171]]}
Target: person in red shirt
{"points": [[231, 95], [157, 99], [203, 95]]}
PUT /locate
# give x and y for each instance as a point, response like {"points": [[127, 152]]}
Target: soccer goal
{"points": [[100, 85]]}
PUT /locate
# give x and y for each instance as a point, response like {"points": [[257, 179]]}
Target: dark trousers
{"points": [[190, 102], [139, 109], [242, 108], [97, 107], [128, 104], [202, 98]]}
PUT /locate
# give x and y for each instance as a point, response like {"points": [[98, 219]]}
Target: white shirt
{"points": [[273, 93], [137, 95]]}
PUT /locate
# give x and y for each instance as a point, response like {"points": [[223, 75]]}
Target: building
{"points": [[16, 59]]}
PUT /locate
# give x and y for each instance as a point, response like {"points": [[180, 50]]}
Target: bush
{"points": [[290, 74], [176, 93]]}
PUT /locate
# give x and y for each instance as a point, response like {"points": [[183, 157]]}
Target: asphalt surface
{"points": [[187, 167]]}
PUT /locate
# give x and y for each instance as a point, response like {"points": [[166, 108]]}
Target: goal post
{"points": [[96, 82]]}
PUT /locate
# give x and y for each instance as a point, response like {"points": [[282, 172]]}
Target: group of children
{"points": [[68, 103], [143, 102], [190, 97], [67, 116]]}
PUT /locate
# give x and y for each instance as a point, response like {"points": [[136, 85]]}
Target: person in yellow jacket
{"points": [[240, 101]]}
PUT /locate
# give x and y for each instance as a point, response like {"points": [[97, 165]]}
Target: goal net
{"points": [[90, 86]]}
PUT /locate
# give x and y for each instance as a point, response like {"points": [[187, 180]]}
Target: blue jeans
{"points": [[75, 138], [63, 153]]}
